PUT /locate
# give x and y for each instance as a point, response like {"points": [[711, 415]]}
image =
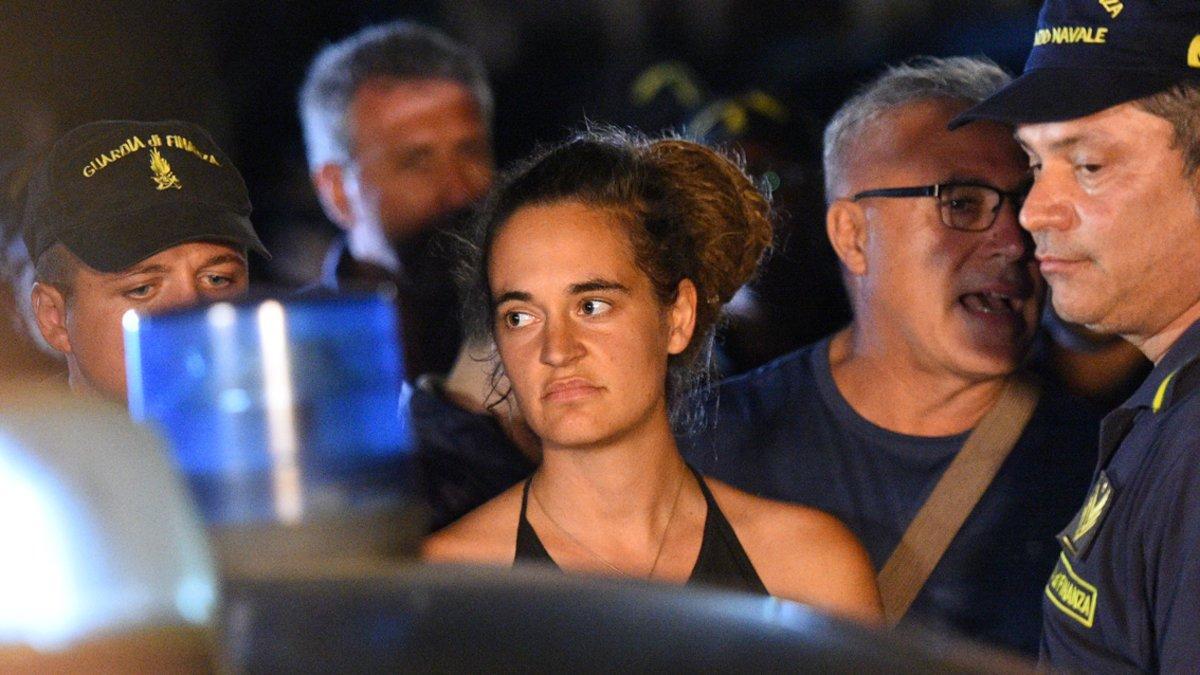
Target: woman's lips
{"points": [[572, 389]]}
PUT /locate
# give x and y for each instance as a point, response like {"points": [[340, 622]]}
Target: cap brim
{"points": [[1056, 94], [131, 237]]}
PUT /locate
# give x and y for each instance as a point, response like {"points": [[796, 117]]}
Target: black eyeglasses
{"points": [[971, 207]]}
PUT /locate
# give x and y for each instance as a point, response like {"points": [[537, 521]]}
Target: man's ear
{"points": [[846, 225], [50, 311], [681, 318], [329, 180]]}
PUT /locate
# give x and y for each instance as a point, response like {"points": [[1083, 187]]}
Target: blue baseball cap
{"points": [[1089, 55]]}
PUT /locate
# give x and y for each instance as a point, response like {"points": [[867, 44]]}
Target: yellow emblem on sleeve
{"points": [[1194, 53], [1071, 594], [1093, 508], [164, 178]]}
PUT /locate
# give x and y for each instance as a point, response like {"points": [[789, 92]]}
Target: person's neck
{"points": [[1156, 345], [630, 482], [901, 397], [80, 386], [368, 244]]}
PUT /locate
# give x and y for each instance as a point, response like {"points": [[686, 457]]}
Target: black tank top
{"points": [[722, 561]]}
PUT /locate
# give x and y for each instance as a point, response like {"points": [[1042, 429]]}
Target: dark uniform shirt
{"points": [[426, 299], [785, 432], [463, 458], [1125, 594]]}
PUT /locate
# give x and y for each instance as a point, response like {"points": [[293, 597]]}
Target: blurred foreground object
{"points": [[286, 419], [461, 619], [105, 566]]}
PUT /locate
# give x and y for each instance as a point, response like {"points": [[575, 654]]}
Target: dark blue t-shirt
{"points": [[785, 432], [1125, 593]]}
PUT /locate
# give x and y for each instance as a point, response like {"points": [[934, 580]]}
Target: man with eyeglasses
{"points": [[946, 297]]}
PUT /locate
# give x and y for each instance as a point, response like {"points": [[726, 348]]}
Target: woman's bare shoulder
{"points": [[802, 553], [487, 535], [761, 517]]}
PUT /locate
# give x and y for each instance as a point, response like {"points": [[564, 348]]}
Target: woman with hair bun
{"points": [[600, 268]]}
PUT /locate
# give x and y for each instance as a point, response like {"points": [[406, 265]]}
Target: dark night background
{"points": [[235, 66]]}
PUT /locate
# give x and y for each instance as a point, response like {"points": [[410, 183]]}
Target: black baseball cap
{"points": [[117, 192], [1089, 55]]}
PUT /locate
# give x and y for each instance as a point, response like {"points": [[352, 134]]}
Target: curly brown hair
{"points": [[691, 213]]}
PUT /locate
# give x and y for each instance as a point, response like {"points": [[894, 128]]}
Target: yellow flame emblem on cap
{"points": [[163, 177], [1194, 53]]}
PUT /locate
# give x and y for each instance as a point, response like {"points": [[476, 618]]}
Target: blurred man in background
{"points": [[798, 296], [868, 423], [397, 129], [123, 215]]}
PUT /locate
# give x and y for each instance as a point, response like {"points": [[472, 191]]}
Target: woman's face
{"points": [[583, 339]]}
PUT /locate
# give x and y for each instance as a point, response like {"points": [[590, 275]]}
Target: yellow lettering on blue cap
{"points": [[1194, 53], [1113, 7], [1069, 35]]}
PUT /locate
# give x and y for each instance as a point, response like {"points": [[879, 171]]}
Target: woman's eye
{"points": [[517, 319], [594, 307]]}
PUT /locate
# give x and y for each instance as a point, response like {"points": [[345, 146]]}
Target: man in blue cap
{"points": [[1108, 110]]}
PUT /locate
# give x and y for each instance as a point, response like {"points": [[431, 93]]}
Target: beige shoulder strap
{"points": [[955, 496]]}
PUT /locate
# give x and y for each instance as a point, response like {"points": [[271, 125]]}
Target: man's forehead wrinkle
{"points": [[153, 268], [1056, 142], [875, 149], [894, 140], [218, 258], [227, 256], [1058, 136]]}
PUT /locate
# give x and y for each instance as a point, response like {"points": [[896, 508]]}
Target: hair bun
{"points": [[728, 217]]}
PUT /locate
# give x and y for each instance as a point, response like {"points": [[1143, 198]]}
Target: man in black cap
{"points": [[130, 215], [1108, 111]]}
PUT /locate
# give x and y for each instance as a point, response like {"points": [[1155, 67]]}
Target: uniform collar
{"points": [[1157, 391]]}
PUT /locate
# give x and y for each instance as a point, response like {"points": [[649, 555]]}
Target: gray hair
{"points": [[1179, 105], [959, 78], [393, 51]]}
